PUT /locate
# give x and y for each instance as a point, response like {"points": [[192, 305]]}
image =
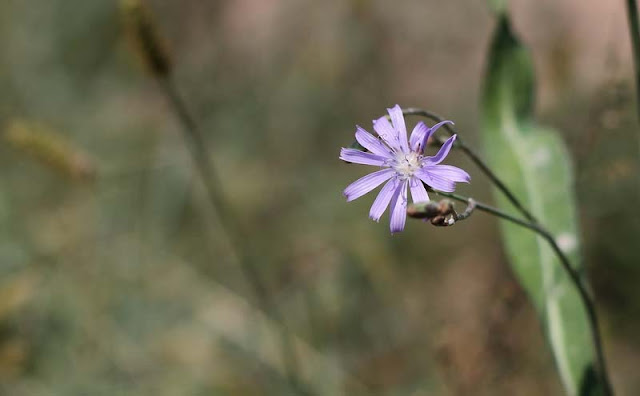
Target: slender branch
{"points": [[490, 209], [634, 32], [159, 62], [237, 238], [475, 158], [576, 278]]}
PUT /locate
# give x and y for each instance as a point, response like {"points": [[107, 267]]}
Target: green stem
{"points": [[532, 224], [576, 278]]}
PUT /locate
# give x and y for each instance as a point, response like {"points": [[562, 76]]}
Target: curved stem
{"points": [[533, 225], [471, 206], [576, 278], [475, 158]]}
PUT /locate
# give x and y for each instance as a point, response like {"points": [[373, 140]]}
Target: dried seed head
{"points": [[50, 149], [145, 37]]}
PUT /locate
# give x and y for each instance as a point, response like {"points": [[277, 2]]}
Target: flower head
{"points": [[403, 166]]}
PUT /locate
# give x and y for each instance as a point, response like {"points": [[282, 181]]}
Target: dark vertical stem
{"points": [[158, 60], [237, 238], [634, 32], [576, 278]]}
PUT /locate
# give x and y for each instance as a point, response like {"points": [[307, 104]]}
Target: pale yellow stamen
{"points": [[407, 164]]}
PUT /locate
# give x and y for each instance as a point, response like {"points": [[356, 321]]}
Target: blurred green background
{"points": [[116, 278]]}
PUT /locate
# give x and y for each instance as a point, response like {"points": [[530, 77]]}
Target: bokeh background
{"points": [[117, 279]]}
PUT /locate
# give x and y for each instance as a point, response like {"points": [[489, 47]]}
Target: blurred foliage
{"points": [[498, 6], [49, 148], [126, 286]]}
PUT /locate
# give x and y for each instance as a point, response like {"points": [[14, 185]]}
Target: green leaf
{"points": [[498, 6], [534, 163]]}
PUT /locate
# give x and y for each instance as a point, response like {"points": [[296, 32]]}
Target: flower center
{"points": [[405, 165]]}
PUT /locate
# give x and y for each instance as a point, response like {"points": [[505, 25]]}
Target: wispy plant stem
{"points": [[576, 277], [237, 239], [159, 63], [475, 158]]}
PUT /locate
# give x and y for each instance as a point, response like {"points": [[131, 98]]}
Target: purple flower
{"points": [[403, 166]]}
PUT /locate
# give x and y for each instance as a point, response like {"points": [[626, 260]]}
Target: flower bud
{"points": [[440, 213], [423, 210]]}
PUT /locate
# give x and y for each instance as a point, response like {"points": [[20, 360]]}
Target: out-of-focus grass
{"points": [[125, 286]]}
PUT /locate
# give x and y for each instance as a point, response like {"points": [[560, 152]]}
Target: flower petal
{"points": [[442, 154], [398, 124], [432, 130], [399, 208], [382, 200], [367, 183], [361, 157], [418, 192], [436, 181], [420, 133], [449, 172], [383, 128], [372, 143]]}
